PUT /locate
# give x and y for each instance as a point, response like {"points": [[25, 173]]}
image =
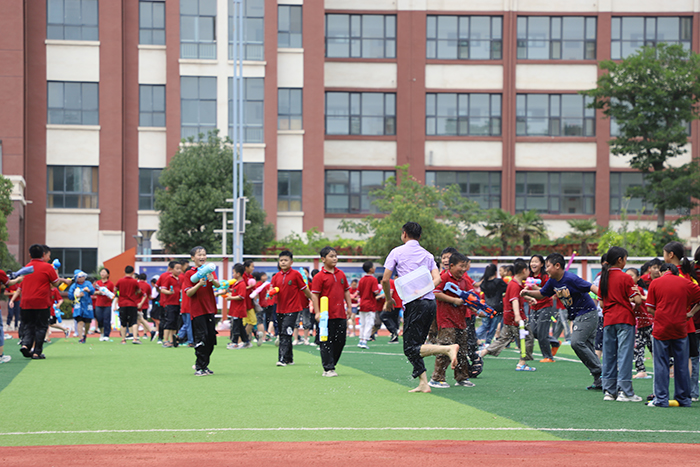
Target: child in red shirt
{"points": [[129, 295], [368, 289], [237, 309]]}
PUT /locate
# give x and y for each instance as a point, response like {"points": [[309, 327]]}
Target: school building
{"points": [[96, 96]]}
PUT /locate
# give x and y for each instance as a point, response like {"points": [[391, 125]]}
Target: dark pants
{"points": [[238, 330], [172, 315], [13, 311], [35, 323], [204, 332], [417, 318], [663, 350], [271, 315], [541, 323], [472, 341], [103, 314], [286, 323], [333, 347], [391, 320]]}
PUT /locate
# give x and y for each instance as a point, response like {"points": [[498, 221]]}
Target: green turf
{"points": [[108, 386]]}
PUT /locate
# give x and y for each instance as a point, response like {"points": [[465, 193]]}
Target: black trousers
{"points": [[391, 320], [204, 333], [34, 325], [472, 341], [238, 330], [417, 317], [286, 324], [333, 347]]}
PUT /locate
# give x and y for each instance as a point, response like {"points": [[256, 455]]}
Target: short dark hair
{"points": [[325, 251], [129, 269], [556, 258], [354, 280], [195, 249], [457, 258], [286, 253], [655, 262], [36, 251], [509, 268], [247, 263], [367, 266], [184, 262], [413, 230], [105, 269], [172, 264], [239, 268], [520, 265], [143, 276], [316, 271], [47, 249], [450, 250], [669, 267], [634, 270], [257, 275]]}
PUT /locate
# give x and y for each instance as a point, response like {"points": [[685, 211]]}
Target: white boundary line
{"points": [[313, 429]]}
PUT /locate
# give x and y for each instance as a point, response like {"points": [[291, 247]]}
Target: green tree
{"points": [[504, 226], [197, 181], [584, 231], [443, 214], [7, 261], [653, 95], [530, 225]]}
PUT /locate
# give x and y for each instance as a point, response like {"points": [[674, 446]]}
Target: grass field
{"points": [[104, 392]]}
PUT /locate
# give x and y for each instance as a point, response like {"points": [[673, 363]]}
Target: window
{"points": [[554, 115], [253, 109], [360, 113], [253, 173], [198, 29], [361, 36], [289, 115], [555, 192], [556, 38], [348, 191], [465, 37], [631, 33], [152, 105], [71, 259], [72, 187], [72, 103], [151, 22], [253, 29], [289, 27], [619, 183], [72, 20], [148, 184], [463, 114], [481, 187], [197, 105], [289, 190]]}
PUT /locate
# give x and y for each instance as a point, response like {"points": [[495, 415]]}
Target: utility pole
{"points": [[237, 200]]}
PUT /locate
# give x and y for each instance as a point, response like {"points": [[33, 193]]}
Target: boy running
{"points": [[369, 289]]}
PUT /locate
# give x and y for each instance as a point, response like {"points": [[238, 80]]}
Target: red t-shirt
{"points": [[617, 308], [103, 300], [546, 302], [170, 283], [644, 319], [332, 285], [395, 295], [237, 308], [513, 293], [203, 301], [448, 315], [36, 287], [368, 287], [290, 284], [12, 289], [671, 296], [354, 296], [262, 295], [248, 301], [145, 292], [55, 298], [129, 292]]}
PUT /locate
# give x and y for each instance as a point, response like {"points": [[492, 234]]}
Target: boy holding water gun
{"points": [[237, 309], [103, 304]]}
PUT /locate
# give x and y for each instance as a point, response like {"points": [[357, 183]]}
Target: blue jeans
{"points": [[103, 314], [695, 374], [488, 328], [186, 329], [662, 352], [618, 353], [13, 312]]}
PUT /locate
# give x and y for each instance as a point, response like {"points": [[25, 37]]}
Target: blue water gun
{"points": [[304, 275], [59, 314], [20, 272], [471, 299], [202, 272]]}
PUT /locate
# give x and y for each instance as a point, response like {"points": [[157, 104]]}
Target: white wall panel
{"points": [[360, 4], [556, 77], [555, 156], [110, 244], [290, 69], [464, 76], [73, 228], [289, 223], [152, 68], [359, 75], [290, 152], [75, 146], [73, 61], [152, 148], [359, 153], [623, 162], [463, 153]]}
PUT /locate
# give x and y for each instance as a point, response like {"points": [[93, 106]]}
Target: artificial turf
{"points": [[104, 392]]}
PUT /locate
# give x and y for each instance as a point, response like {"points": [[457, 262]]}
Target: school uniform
{"points": [[202, 307], [289, 303], [391, 318], [368, 288], [332, 285], [103, 307], [541, 315], [171, 302], [36, 300], [238, 311], [128, 288], [510, 331]]}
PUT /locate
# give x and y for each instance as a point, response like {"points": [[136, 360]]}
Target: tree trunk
{"points": [[526, 245], [660, 220], [504, 245]]}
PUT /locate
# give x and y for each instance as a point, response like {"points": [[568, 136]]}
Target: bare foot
{"points": [[641, 374], [454, 348], [421, 388]]}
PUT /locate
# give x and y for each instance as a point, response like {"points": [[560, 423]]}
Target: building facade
{"points": [[97, 95]]}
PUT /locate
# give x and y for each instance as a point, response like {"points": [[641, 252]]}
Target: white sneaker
{"points": [[260, 338], [5, 358], [608, 397], [296, 342], [329, 374], [231, 346], [438, 384], [622, 397], [281, 364]]}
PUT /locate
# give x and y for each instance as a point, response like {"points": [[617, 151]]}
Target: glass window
{"points": [[71, 259], [555, 192], [554, 115], [481, 187], [289, 190], [152, 22], [465, 37], [289, 27], [348, 191], [72, 20], [360, 36], [198, 29], [148, 184], [619, 200], [631, 33], [197, 105], [253, 173], [253, 29], [253, 109], [152, 105], [72, 187], [556, 38], [72, 103], [463, 114], [289, 109], [360, 113]]}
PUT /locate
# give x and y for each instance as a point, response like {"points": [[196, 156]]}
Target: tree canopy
{"points": [[652, 97]]}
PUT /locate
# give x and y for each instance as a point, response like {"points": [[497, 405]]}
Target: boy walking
{"points": [[237, 309], [369, 289], [128, 289], [170, 299]]}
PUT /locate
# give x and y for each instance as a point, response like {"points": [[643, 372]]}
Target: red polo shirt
{"points": [[129, 292], [617, 308], [103, 300], [332, 285], [672, 297], [513, 293], [290, 284], [394, 295], [248, 301], [170, 283], [36, 287], [449, 316], [203, 301], [368, 287], [546, 302], [237, 308], [145, 292]]}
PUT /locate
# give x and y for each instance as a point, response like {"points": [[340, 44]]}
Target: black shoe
{"points": [[26, 352], [394, 339], [176, 342], [593, 387], [153, 335], [39, 357]]}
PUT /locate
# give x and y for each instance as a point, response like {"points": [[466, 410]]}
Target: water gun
{"points": [[255, 292], [59, 314], [571, 260], [20, 272], [507, 279], [202, 272], [531, 281], [272, 291], [304, 275], [106, 292], [523, 333], [56, 264], [224, 285], [471, 299], [323, 322]]}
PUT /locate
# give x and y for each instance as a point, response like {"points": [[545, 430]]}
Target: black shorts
{"points": [[52, 320], [156, 312], [82, 319], [172, 313], [127, 316]]}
